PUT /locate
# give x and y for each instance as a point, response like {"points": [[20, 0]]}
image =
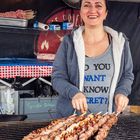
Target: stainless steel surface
{"points": [[13, 22]]}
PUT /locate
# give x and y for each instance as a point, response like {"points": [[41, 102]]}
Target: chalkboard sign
{"points": [[37, 105]]}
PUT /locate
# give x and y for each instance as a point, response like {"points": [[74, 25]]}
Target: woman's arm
{"points": [[127, 77], [123, 88], [60, 77]]}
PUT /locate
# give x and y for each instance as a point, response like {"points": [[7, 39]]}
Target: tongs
{"points": [[117, 114], [75, 112], [86, 112]]}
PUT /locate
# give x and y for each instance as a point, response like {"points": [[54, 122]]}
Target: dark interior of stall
{"points": [[25, 42]]}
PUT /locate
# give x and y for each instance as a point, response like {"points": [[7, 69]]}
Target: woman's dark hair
{"points": [[106, 2]]}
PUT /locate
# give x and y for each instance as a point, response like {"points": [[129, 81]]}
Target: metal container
{"points": [[13, 22]]}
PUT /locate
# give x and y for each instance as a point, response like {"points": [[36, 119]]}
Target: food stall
{"points": [[27, 52]]}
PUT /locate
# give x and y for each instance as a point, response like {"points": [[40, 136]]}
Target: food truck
{"points": [[30, 34]]}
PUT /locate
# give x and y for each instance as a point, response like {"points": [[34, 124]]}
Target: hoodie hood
{"points": [[118, 43]]}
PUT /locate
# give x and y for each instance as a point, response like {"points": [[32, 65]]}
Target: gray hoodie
{"points": [[68, 69]]}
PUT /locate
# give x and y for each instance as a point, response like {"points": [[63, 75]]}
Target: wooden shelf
{"points": [[132, 109]]}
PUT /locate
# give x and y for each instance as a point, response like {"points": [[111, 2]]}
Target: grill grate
{"points": [[17, 130], [127, 128]]}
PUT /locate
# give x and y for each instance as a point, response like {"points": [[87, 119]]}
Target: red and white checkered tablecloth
{"points": [[25, 71]]}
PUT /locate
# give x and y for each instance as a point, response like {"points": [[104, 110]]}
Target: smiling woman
{"points": [[93, 12], [74, 71]]}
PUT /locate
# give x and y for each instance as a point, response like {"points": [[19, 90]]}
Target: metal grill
{"points": [[17, 130], [127, 128]]}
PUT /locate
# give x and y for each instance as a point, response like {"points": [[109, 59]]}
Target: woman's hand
{"points": [[79, 102], [121, 102]]}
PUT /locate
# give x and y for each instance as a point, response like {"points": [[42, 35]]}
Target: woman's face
{"points": [[93, 12]]}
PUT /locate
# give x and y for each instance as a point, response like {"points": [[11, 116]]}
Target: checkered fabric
{"points": [[25, 71]]}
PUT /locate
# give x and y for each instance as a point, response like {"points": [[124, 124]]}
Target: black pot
{"points": [[6, 118], [72, 3]]}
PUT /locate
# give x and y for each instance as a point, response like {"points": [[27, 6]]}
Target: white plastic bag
{"points": [[7, 102]]}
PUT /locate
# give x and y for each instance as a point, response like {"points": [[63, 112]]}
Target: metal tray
{"points": [[13, 22]]}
